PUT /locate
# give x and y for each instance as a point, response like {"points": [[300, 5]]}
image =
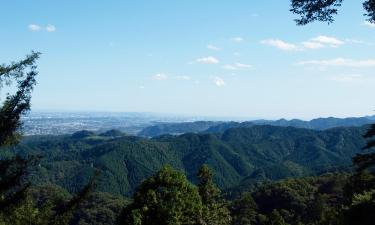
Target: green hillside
{"points": [[237, 156]]}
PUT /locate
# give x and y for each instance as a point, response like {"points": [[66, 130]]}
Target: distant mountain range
{"points": [[212, 127], [249, 154]]}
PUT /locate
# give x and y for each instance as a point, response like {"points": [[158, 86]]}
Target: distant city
{"points": [[154, 124], [57, 123]]}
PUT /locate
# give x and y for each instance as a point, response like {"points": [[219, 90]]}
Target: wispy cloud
{"points": [[237, 66], [160, 76], [369, 24], [312, 45], [50, 28], [219, 82], [208, 60], [213, 47], [282, 45], [326, 40], [237, 39], [229, 67], [339, 62], [36, 27], [321, 41]]}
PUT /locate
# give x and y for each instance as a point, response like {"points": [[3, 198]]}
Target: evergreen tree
{"points": [[275, 218], [167, 198], [244, 210], [13, 171], [15, 105], [215, 210], [324, 10]]}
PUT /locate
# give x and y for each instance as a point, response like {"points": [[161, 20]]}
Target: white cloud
{"points": [[339, 62], [213, 47], [280, 44], [237, 39], [160, 76], [230, 67], [349, 78], [50, 28], [34, 27], [331, 41], [219, 82], [208, 60], [369, 24], [312, 45], [322, 42], [237, 66], [243, 66]]}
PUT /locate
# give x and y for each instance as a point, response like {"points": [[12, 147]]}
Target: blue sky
{"points": [[238, 58]]}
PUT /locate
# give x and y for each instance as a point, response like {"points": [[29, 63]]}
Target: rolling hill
{"points": [[237, 155]]}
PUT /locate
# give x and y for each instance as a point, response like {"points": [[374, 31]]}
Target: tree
{"points": [[365, 161], [244, 210], [167, 198], [215, 210], [324, 10], [13, 171], [15, 205], [275, 218], [16, 105], [362, 209]]}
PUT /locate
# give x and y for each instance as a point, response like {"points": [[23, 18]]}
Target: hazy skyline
{"points": [[204, 58]]}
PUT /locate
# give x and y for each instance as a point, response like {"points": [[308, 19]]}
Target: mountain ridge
{"points": [[255, 153]]}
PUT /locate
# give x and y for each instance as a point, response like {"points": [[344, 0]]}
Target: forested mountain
{"points": [[177, 128], [212, 127], [319, 123], [237, 156]]}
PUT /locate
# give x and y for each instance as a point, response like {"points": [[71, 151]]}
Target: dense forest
{"points": [[251, 165], [238, 156], [210, 126]]}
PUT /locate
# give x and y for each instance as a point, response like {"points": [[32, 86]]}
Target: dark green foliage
{"points": [[16, 206], [217, 127], [361, 210], [365, 161], [237, 156], [214, 210], [176, 128], [312, 10], [112, 134], [310, 200], [324, 10], [99, 209], [63, 212], [13, 184], [83, 134], [167, 198], [244, 211], [369, 6], [16, 105], [13, 170]]}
